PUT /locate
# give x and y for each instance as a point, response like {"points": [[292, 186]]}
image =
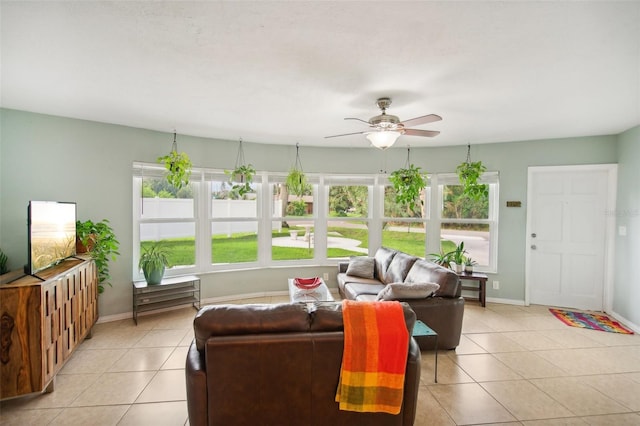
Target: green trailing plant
{"points": [[178, 166], [296, 179], [242, 175], [469, 173], [408, 182], [3, 263], [153, 261], [102, 246]]}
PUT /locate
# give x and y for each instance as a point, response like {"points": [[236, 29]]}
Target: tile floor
{"points": [[514, 366]]}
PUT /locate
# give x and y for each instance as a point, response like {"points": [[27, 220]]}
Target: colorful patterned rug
{"points": [[591, 321]]}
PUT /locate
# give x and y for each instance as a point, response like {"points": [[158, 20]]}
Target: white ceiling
{"points": [[287, 72]]}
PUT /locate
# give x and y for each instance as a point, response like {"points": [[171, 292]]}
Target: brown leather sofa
{"points": [[442, 311], [278, 365]]}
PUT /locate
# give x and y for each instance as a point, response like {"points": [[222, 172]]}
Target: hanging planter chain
{"points": [[298, 163], [240, 156]]}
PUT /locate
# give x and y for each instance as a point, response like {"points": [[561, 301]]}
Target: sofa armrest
{"points": [[342, 267], [412, 383], [196, 379]]}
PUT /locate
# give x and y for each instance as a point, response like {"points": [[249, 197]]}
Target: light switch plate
{"points": [[622, 231]]}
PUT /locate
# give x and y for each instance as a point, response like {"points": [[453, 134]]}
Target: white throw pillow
{"points": [[361, 266], [396, 291]]}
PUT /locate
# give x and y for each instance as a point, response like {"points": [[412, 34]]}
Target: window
{"points": [[402, 228], [233, 220], [209, 225], [473, 222], [293, 221], [164, 215], [348, 218]]}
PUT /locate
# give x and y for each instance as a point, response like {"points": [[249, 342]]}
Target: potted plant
{"points": [[468, 173], [242, 175], [99, 240], [457, 257], [296, 179], [178, 166], [408, 182], [297, 182], [469, 264], [3, 263], [442, 259], [153, 261]]}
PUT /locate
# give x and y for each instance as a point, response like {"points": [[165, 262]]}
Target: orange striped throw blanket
{"points": [[374, 358]]}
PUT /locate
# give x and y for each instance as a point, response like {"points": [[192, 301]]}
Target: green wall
{"points": [[626, 295], [53, 158]]}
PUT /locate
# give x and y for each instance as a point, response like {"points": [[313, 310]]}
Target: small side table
{"points": [[482, 285], [170, 292], [421, 329]]}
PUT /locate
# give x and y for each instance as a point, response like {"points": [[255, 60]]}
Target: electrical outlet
{"points": [[325, 276], [496, 285]]}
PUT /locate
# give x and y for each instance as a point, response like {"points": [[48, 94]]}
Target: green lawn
{"points": [[244, 247]]}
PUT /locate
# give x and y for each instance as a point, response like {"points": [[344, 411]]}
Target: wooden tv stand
{"points": [[42, 323]]}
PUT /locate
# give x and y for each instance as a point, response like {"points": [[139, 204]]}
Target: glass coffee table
{"points": [[318, 294]]}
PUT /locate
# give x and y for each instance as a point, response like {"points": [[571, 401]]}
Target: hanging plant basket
{"points": [[178, 166], [296, 179], [242, 175], [469, 173], [408, 183]]}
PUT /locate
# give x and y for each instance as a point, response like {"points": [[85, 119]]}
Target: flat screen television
{"points": [[52, 234]]}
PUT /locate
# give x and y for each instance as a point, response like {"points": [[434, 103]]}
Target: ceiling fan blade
{"points": [[344, 134], [352, 118], [422, 120], [418, 132]]}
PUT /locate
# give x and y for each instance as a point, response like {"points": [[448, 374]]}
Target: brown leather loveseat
{"points": [[442, 310], [278, 365]]}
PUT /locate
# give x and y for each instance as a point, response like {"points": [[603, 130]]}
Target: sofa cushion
{"points": [[395, 291], [361, 266], [225, 320], [399, 268], [352, 290], [383, 258], [426, 271]]}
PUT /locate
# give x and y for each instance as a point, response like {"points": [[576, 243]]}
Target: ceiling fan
{"points": [[386, 128]]}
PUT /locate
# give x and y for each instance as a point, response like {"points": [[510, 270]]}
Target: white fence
{"points": [[172, 208]]}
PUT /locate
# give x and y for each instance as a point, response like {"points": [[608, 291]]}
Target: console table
{"points": [[44, 319], [481, 288], [173, 291]]}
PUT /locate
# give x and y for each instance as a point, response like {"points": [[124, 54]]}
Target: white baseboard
{"points": [[505, 301]]}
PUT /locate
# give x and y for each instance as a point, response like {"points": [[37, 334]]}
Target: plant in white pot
{"points": [[458, 257], [153, 261], [469, 264]]}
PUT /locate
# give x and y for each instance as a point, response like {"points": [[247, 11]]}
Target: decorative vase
{"points": [[459, 268], [154, 276]]}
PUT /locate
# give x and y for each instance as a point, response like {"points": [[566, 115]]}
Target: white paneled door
{"points": [[567, 227]]}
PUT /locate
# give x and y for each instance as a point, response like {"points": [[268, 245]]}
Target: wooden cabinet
{"points": [[43, 320]]}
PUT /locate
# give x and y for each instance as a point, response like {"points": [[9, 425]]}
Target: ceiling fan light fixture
{"points": [[383, 139]]}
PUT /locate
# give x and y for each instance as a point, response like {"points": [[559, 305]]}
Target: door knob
{"points": [[534, 235], [533, 247]]}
